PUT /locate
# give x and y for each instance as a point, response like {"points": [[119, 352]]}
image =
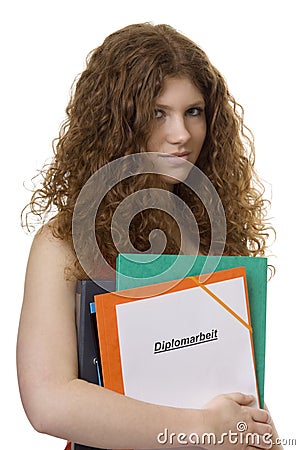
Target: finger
{"points": [[262, 445], [241, 399], [260, 436], [263, 429], [261, 415]]}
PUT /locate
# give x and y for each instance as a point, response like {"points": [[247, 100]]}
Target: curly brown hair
{"points": [[110, 114]]}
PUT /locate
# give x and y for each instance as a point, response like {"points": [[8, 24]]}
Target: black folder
{"points": [[89, 364]]}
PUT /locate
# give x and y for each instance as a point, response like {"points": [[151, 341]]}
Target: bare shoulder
{"points": [[49, 256], [45, 242], [46, 281]]}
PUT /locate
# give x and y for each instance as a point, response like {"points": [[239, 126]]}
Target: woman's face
{"points": [[179, 130]]}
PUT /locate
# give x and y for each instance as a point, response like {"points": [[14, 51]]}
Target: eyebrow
{"points": [[199, 102]]}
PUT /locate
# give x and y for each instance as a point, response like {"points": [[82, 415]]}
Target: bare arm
{"points": [[59, 404]]}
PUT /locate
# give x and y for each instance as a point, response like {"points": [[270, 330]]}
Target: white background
{"points": [[255, 44]]}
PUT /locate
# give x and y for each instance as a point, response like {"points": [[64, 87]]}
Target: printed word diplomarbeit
{"points": [[177, 343]]}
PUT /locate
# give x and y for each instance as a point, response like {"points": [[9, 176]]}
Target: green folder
{"points": [[135, 270]]}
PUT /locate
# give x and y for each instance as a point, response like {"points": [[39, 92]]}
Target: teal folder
{"points": [[135, 270]]}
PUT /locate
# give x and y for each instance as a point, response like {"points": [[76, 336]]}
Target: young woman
{"points": [[146, 89]]}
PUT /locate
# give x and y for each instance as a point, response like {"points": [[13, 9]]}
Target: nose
{"points": [[178, 132]]}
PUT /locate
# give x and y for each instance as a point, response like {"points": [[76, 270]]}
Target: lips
{"points": [[177, 154], [180, 154], [175, 159]]}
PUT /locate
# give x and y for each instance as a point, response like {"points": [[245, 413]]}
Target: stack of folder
{"points": [[170, 324]]}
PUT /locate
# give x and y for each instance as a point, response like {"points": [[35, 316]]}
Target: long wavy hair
{"points": [[111, 114]]}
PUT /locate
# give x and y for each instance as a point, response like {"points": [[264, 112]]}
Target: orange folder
{"points": [[108, 326]]}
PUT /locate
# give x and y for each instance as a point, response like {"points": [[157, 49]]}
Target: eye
{"points": [[158, 113], [196, 111]]}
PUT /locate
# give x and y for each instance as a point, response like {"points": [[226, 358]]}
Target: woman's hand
{"points": [[237, 425]]}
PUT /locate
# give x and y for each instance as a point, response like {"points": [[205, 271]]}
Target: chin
{"points": [[170, 181]]}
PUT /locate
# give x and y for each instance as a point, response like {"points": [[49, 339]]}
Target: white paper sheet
{"points": [[182, 349]]}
